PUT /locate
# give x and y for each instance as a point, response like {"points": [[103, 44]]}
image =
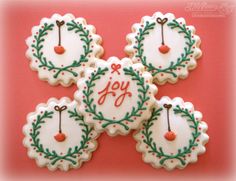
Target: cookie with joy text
{"points": [[116, 96]]}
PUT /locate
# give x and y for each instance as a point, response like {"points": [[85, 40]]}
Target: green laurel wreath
{"points": [[180, 155], [51, 154], [71, 26], [173, 66], [91, 108]]}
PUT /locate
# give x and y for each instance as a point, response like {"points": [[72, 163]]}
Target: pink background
{"points": [[209, 87]]}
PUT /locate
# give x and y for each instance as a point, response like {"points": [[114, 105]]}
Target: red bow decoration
{"points": [[115, 68]]}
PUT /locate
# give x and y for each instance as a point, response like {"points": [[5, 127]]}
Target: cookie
{"points": [[165, 45], [57, 137], [61, 46], [174, 135], [116, 96]]}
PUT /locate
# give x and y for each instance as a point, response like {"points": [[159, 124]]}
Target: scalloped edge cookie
{"points": [[64, 74], [162, 75], [42, 154], [155, 155], [114, 67]]}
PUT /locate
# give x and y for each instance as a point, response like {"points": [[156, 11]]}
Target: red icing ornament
{"points": [[164, 49], [60, 137], [170, 136], [59, 49]]}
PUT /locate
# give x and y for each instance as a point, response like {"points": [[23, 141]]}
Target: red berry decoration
{"points": [[60, 137], [59, 49], [170, 135], [163, 48]]}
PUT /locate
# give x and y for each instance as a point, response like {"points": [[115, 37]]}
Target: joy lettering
{"points": [[111, 88]]}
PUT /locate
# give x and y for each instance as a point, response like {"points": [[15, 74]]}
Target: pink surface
{"points": [[208, 87]]}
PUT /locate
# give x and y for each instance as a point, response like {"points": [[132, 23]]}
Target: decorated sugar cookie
{"points": [[165, 45], [61, 46], [116, 96], [57, 137], [173, 136]]}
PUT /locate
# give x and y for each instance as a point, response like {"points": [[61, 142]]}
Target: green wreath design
{"points": [[148, 140], [91, 108], [71, 26], [51, 154], [173, 66]]}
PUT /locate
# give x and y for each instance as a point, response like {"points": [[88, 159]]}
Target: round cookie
{"points": [[61, 46], [165, 45], [116, 96], [57, 137], [174, 136]]}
